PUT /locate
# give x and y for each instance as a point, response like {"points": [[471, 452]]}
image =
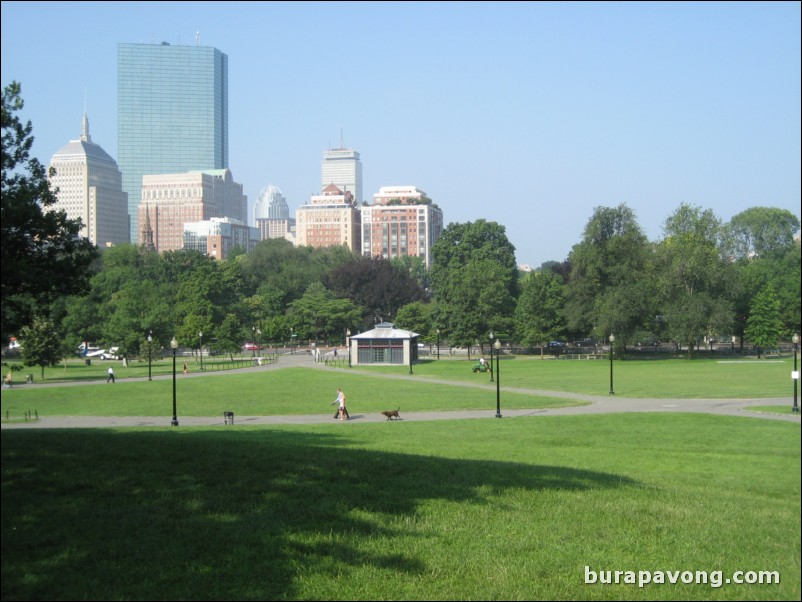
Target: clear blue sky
{"points": [[527, 114]]}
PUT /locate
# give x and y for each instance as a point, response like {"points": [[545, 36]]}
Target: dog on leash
{"points": [[392, 414]]}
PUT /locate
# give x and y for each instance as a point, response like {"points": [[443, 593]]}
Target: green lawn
{"points": [[463, 510]]}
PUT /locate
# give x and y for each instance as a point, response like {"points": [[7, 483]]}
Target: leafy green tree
{"points": [[475, 281], [609, 284], [42, 255], [764, 326], [41, 344], [418, 316], [695, 278], [319, 315], [539, 313], [761, 232], [228, 336], [377, 285]]}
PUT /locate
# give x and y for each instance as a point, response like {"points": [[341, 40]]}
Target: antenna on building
{"points": [[197, 38]]}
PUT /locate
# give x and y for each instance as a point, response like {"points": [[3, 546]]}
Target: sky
{"points": [[529, 114]]}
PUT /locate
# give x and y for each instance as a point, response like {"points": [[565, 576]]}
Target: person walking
{"points": [[111, 375], [342, 411], [9, 382]]}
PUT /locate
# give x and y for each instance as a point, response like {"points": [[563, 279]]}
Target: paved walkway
{"points": [[598, 404]]}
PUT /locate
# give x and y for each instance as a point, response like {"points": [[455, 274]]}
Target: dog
{"points": [[392, 414]]}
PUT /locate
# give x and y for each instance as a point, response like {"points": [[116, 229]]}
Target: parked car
{"points": [[251, 347]]}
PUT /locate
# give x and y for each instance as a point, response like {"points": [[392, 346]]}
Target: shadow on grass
{"points": [[91, 514]]}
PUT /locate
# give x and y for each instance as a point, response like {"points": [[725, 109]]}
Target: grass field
{"points": [[487, 510], [520, 508]]}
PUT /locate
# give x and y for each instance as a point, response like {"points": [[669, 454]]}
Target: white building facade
{"points": [[343, 168], [90, 189]]}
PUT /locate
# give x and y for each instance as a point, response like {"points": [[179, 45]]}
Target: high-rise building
{"points": [[271, 214], [331, 218], [342, 167], [90, 188], [171, 200], [401, 221], [172, 113]]}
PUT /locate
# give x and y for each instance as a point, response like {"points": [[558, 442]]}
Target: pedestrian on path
{"points": [[342, 412], [111, 375]]}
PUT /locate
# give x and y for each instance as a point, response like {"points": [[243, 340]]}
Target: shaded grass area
{"points": [[263, 393], [511, 509]]}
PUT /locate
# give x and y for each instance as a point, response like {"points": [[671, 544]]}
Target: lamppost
{"points": [[490, 336], [410, 354], [612, 340], [348, 342], [259, 340], [174, 346], [150, 340], [200, 336], [497, 345], [253, 340], [438, 343], [795, 374], [732, 348]]}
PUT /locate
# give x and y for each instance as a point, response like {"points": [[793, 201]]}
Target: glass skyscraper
{"points": [[172, 113]]}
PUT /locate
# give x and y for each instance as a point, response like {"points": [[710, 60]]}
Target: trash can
{"points": [[228, 417]]}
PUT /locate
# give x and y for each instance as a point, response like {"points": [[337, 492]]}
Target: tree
{"points": [[378, 285], [320, 315], [764, 326], [608, 290], [761, 232], [42, 255], [418, 317], [539, 312], [41, 344], [694, 277], [475, 281]]}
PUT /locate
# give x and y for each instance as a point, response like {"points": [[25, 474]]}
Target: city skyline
{"points": [[526, 114]]}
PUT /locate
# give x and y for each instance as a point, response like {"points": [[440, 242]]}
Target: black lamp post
{"points": [[259, 340], [253, 340], [174, 346], [497, 345], [612, 340], [200, 336], [490, 336], [150, 341], [438, 343], [795, 374], [410, 354], [348, 342]]}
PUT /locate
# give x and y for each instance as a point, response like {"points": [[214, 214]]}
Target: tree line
{"points": [[703, 278]]}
